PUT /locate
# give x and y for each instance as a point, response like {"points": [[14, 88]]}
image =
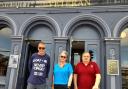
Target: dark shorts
{"points": [[58, 86]]}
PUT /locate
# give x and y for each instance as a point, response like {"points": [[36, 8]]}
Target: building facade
{"points": [[102, 29]]}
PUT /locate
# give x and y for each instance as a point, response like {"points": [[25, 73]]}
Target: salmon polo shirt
{"points": [[86, 75]]}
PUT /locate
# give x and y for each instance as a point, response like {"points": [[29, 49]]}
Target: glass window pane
{"points": [[3, 63], [124, 48], [124, 58], [5, 47]]}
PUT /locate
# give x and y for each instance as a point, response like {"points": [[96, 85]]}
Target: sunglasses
{"points": [[41, 48], [63, 56]]}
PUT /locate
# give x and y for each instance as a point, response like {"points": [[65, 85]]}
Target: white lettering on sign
{"points": [[45, 3]]}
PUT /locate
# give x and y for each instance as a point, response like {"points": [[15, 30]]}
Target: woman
{"points": [[62, 73], [87, 73]]}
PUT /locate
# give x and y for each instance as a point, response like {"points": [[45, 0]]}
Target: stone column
{"points": [[12, 72], [113, 53]]}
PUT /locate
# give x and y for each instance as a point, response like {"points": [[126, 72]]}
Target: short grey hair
{"points": [[65, 52]]}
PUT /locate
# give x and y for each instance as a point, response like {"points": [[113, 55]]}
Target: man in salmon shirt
{"points": [[87, 73]]}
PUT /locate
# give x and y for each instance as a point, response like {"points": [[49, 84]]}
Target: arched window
{"points": [[124, 57], [5, 47]]}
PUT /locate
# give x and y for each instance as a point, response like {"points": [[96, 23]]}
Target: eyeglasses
{"points": [[63, 56], [41, 48]]}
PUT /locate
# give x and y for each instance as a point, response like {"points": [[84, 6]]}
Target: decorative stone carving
{"points": [[16, 49]]}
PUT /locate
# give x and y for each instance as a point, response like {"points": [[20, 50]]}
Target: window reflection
{"points": [[3, 64], [124, 48], [124, 58], [5, 46]]}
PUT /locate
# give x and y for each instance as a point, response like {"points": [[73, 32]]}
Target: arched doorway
{"points": [[39, 30], [124, 57], [85, 38], [87, 35]]}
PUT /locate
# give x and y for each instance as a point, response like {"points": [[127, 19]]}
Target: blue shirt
{"points": [[61, 74], [39, 68]]}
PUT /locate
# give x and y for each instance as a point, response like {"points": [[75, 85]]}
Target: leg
{"points": [[42, 86], [30, 86]]}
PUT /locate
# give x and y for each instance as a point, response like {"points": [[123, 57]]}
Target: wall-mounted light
{"points": [[123, 35]]}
